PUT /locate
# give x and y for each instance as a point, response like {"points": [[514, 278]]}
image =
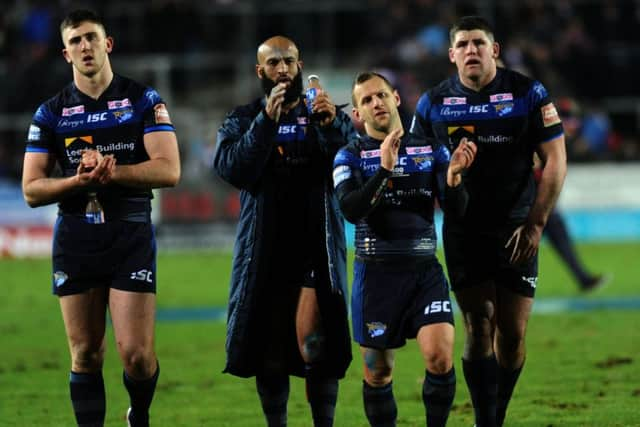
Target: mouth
{"points": [[472, 62], [285, 80], [87, 59], [381, 114]]}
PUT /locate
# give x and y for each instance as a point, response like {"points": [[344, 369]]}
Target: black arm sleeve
{"points": [[358, 200], [456, 200]]}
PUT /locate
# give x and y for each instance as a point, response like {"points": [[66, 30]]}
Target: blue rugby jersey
{"points": [[507, 119], [115, 123], [396, 217]]}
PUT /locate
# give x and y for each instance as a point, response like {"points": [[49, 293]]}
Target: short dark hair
{"points": [[363, 77], [469, 23], [77, 17]]}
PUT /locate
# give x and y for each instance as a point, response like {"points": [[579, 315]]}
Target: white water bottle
{"points": [[93, 212]]}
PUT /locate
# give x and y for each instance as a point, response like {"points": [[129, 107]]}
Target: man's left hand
{"points": [[323, 104], [525, 240]]}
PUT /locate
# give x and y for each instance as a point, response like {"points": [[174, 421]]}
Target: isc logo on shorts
{"points": [[437, 307], [142, 275]]}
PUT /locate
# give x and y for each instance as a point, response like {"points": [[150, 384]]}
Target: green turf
{"points": [[582, 368]]}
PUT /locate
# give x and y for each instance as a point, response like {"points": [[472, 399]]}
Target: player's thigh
{"points": [[84, 319], [133, 318]]}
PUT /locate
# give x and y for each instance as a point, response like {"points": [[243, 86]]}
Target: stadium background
{"points": [[200, 55]]}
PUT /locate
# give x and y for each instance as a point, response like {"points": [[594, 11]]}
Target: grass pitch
{"points": [[582, 368]]}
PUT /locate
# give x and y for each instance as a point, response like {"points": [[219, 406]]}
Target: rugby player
{"points": [[112, 137], [491, 250], [387, 182]]}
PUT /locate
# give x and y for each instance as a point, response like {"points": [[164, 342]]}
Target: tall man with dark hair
{"points": [[491, 250], [387, 183], [95, 122], [287, 306]]}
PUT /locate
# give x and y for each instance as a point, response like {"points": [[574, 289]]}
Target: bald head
{"points": [[277, 46]]}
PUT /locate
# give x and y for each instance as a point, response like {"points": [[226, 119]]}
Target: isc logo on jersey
{"points": [[438, 307], [287, 129], [484, 108], [96, 117]]}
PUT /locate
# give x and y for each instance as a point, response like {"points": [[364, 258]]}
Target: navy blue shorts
{"points": [[390, 303], [475, 258], [116, 254]]}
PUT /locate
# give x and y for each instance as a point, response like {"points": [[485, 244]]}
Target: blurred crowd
{"points": [[584, 51]]}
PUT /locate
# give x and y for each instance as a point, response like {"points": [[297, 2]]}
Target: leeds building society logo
{"points": [[68, 141], [376, 329]]}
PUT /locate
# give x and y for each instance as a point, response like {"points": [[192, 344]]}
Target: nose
{"points": [[84, 44], [282, 67], [471, 48]]}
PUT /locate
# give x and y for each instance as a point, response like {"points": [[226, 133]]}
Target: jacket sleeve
{"points": [[244, 144], [337, 134]]}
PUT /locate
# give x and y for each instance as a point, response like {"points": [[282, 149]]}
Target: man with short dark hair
{"points": [[287, 306], [387, 182], [95, 122], [491, 250]]}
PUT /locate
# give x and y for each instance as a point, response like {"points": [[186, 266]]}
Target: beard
{"points": [[293, 92]]}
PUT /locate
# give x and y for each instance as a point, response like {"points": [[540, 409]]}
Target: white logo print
{"points": [[531, 280], [142, 275], [59, 277], [437, 307]]}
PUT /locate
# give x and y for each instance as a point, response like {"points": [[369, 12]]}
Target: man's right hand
{"points": [[461, 160], [389, 149], [275, 100], [94, 168]]}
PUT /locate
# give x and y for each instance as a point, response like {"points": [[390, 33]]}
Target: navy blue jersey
{"points": [[115, 123], [507, 119], [397, 217]]}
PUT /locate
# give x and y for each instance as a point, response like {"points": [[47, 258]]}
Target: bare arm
{"points": [[40, 189], [526, 238], [161, 170]]}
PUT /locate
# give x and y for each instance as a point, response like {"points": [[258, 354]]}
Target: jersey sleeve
{"points": [[41, 135], [545, 121], [421, 125], [155, 114], [442, 158], [357, 198]]}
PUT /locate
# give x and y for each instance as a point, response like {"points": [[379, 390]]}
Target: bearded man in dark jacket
{"points": [[287, 305]]}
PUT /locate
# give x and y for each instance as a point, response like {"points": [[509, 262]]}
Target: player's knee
{"points": [[439, 361], [378, 368], [378, 377], [138, 362], [479, 325], [86, 358], [511, 342], [313, 348]]}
